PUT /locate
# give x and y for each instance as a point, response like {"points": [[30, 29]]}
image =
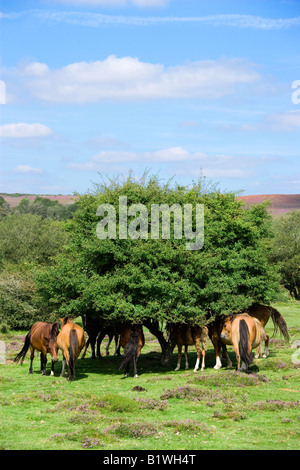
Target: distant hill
{"points": [[280, 203], [14, 199]]}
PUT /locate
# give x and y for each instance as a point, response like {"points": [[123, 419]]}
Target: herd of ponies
{"points": [[244, 331]]}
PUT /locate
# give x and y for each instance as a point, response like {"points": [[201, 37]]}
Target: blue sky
{"points": [[181, 88]]}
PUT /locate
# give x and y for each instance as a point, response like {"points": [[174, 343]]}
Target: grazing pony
{"points": [[263, 313], [188, 335], [244, 333], [70, 340], [42, 336], [132, 340]]}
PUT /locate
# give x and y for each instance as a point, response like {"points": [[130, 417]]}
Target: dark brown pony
{"points": [[244, 333], [132, 340], [42, 336], [187, 335], [70, 340], [97, 330]]}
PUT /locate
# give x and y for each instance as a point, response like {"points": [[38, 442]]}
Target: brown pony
{"points": [[188, 335], [262, 313], [244, 333], [42, 336], [132, 340], [214, 332], [70, 340]]}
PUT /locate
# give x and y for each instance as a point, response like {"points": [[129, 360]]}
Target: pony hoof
{"points": [[136, 376], [217, 367], [52, 373]]}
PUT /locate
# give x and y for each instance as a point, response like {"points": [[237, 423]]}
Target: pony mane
{"points": [[232, 317], [54, 331], [67, 320]]}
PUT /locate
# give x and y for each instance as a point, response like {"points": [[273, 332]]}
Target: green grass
{"points": [[162, 409]]}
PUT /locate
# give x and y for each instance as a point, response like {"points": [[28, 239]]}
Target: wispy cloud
{"points": [[286, 121], [129, 79], [27, 169], [24, 130], [92, 19], [181, 160]]}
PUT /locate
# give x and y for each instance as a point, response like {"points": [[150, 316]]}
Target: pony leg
{"points": [[179, 357], [99, 341], [63, 366], [266, 351], [217, 348], [203, 360], [238, 357], [186, 357], [93, 345], [43, 363], [225, 354], [126, 373], [85, 348], [203, 345], [198, 355], [117, 348], [110, 338], [52, 367], [135, 358], [31, 358]]}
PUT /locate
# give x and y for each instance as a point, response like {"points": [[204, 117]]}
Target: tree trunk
{"points": [[166, 344]]}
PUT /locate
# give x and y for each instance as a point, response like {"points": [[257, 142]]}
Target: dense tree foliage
{"points": [[286, 251], [158, 280], [26, 241]]}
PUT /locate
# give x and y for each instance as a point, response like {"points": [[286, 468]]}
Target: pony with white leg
{"points": [[188, 335]]}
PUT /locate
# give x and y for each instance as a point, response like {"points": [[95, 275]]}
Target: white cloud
{"points": [[23, 130], [183, 161], [128, 78], [27, 169]]}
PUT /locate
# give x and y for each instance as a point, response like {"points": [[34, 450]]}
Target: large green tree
{"points": [[155, 281], [286, 251]]}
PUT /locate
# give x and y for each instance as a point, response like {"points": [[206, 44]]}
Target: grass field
{"points": [[162, 409]]}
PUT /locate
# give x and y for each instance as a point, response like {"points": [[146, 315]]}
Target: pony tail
{"points": [[72, 353], [279, 322], [130, 349], [22, 353], [244, 343]]}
